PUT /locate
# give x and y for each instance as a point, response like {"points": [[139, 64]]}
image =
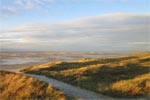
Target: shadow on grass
{"points": [[68, 65], [91, 78]]}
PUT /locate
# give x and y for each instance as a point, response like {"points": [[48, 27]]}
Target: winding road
{"points": [[70, 90]]}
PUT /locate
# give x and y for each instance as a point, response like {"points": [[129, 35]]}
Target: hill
{"points": [[119, 77], [20, 87]]}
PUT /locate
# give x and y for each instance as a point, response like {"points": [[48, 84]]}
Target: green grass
{"points": [[20, 87], [120, 77]]}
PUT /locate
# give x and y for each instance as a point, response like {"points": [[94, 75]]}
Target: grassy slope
{"points": [[20, 87], [126, 77]]}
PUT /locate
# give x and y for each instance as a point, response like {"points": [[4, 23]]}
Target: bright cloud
{"points": [[99, 33]]}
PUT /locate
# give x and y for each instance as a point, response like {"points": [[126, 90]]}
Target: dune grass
{"points": [[120, 77], [20, 87]]}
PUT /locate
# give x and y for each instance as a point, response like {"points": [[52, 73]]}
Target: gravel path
{"points": [[70, 90]]}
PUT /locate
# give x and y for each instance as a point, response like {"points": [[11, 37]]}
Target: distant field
{"points": [[120, 77], [20, 87]]}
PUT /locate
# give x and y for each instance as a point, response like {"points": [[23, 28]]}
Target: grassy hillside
{"points": [[121, 77], [20, 87]]}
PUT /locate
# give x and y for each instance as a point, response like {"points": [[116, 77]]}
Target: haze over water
{"points": [[15, 61]]}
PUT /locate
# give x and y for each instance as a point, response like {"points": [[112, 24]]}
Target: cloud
{"points": [[140, 43], [9, 9], [18, 6], [14, 7], [103, 32]]}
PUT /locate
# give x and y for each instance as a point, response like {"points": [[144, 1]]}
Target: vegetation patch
{"points": [[20, 87], [120, 77]]}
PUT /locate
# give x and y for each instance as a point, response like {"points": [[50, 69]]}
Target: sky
{"points": [[74, 25]]}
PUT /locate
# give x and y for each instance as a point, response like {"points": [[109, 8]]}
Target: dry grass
{"points": [[121, 77], [139, 85], [20, 87]]}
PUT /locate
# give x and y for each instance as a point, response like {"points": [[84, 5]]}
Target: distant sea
{"points": [[17, 61]]}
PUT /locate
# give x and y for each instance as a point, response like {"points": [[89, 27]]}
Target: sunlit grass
{"points": [[139, 85], [20, 87], [122, 77]]}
